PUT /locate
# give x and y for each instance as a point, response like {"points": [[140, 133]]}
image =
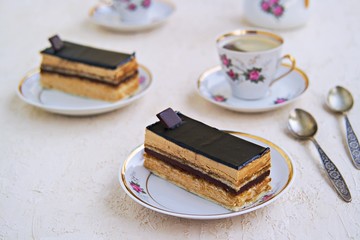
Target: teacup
{"points": [[133, 11], [250, 60], [277, 14]]}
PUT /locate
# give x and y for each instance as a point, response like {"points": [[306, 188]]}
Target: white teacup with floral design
{"points": [[277, 14], [133, 11], [250, 60]]}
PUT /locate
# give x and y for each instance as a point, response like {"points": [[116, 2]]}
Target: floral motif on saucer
{"points": [[162, 196], [213, 87]]}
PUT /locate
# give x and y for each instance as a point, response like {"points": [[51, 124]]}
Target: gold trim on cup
{"points": [[238, 33]]}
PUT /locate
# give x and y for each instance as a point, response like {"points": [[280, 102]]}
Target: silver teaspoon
{"points": [[340, 100], [303, 126]]}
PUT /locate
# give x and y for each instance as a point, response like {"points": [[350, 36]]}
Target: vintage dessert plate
{"points": [[105, 15], [31, 91], [161, 196], [213, 87]]}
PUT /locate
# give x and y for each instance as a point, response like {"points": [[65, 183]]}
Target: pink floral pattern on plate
{"points": [[280, 100], [136, 186], [142, 79], [219, 98]]}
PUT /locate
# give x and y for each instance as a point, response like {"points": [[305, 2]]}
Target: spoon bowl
{"points": [[339, 99], [302, 124]]}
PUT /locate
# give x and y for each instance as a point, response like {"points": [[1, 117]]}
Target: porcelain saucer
{"points": [[105, 15], [213, 87], [164, 197], [31, 92]]}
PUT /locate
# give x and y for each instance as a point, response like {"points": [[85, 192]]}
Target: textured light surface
{"points": [[59, 175]]}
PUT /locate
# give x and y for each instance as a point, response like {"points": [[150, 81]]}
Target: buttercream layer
{"points": [[91, 89], [233, 178], [182, 167], [204, 188], [113, 76]]}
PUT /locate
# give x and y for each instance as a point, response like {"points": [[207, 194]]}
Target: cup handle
{"points": [[292, 67]]}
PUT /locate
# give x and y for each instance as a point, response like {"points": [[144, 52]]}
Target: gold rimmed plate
{"points": [[31, 92], [213, 87], [161, 196]]}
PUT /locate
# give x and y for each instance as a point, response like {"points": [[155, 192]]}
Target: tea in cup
{"points": [[250, 60], [133, 11]]}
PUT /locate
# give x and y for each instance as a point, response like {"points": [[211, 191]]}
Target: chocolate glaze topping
{"points": [[88, 55], [210, 142]]}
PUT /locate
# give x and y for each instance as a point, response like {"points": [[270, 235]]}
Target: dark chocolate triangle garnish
{"points": [[56, 43], [169, 118]]}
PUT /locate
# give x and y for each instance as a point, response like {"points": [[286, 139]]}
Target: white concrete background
{"points": [[58, 174]]}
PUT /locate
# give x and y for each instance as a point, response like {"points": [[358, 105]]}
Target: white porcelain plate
{"points": [[213, 87], [105, 15], [31, 91], [161, 196]]}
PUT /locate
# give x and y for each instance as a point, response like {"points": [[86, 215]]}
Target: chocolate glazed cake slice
{"points": [[203, 160], [87, 71]]}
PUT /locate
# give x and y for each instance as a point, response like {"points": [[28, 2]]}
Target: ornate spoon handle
{"points": [[335, 176], [353, 143]]}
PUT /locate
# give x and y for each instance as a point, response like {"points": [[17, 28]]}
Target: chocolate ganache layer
{"points": [[190, 170], [89, 55], [210, 142], [87, 78]]}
